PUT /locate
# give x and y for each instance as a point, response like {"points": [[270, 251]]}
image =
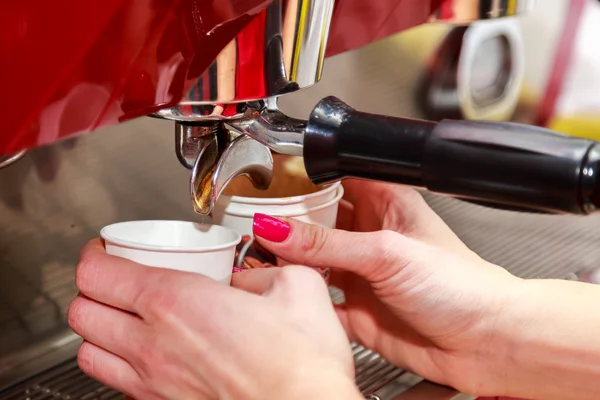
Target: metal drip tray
{"points": [[66, 381]]}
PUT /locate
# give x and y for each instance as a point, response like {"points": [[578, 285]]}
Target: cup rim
{"points": [[334, 200], [276, 201], [109, 238]]}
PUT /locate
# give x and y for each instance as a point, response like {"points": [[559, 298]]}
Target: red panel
{"points": [[358, 23], [71, 66]]}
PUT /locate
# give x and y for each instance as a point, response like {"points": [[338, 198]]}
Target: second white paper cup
{"points": [[319, 208], [205, 249]]}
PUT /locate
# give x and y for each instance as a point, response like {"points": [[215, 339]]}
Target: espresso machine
{"points": [[227, 120], [218, 73]]}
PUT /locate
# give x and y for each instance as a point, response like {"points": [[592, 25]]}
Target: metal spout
{"points": [[215, 169], [218, 152]]}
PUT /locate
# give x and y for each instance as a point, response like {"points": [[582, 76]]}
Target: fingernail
{"points": [[271, 229]]}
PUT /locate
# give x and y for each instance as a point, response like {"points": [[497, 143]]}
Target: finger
{"points": [[345, 217], [290, 282], [130, 286], [304, 294], [404, 204], [375, 256], [111, 280], [401, 209], [256, 281], [109, 369], [355, 190], [114, 330]]}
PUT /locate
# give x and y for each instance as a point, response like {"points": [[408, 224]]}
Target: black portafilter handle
{"points": [[502, 165]]}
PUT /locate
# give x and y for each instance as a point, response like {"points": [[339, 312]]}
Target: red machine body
{"points": [[70, 66]]}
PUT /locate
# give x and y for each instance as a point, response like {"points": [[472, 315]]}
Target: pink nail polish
{"points": [[271, 229]]}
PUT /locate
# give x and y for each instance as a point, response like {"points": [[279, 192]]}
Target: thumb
{"points": [[375, 256]]}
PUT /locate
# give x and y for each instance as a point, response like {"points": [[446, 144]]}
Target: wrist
{"points": [[547, 337], [490, 349]]}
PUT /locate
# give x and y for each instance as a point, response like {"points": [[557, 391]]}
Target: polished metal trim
{"points": [[274, 129], [215, 169], [503, 108], [466, 11], [191, 140], [40, 356], [6, 161], [292, 38]]}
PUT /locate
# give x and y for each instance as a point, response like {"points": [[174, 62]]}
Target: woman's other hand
{"points": [[153, 333], [414, 292]]}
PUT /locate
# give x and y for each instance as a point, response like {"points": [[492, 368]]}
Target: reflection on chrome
{"points": [[6, 161], [280, 51], [464, 11]]}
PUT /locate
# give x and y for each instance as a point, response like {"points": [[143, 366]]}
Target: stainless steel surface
{"points": [[64, 381], [243, 157], [53, 201], [464, 11], [375, 378], [191, 140], [293, 44], [489, 90], [56, 198], [294, 40], [40, 356], [6, 161], [273, 129], [372, 371], [225, 151], [203, 174]]}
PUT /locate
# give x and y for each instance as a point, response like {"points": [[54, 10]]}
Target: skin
{"points": [[153, 333], [401, 269], [414, 293]]}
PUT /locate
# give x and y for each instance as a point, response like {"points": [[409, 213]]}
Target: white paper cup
{"points": [[184, 246], [319, 208]]}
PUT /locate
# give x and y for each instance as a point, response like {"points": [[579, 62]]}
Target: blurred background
{"points": [[541, 69]]}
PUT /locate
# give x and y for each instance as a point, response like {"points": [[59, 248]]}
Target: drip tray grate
{"points": [[63, 382], [67, 382]]}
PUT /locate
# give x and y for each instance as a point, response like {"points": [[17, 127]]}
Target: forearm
{"points": [[547, 342]]}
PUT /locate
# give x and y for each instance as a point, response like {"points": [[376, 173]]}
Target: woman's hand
{"points": [[414, 292], [160, 334]]}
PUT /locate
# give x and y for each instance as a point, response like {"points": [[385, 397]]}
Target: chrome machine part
{"points": [[191, 140], [293, 42], [273, 129], [218, 152], [465, 11], [213, 170], [201, 182], [6, 161], [228, 96], [491, 70], [476, 73]]}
